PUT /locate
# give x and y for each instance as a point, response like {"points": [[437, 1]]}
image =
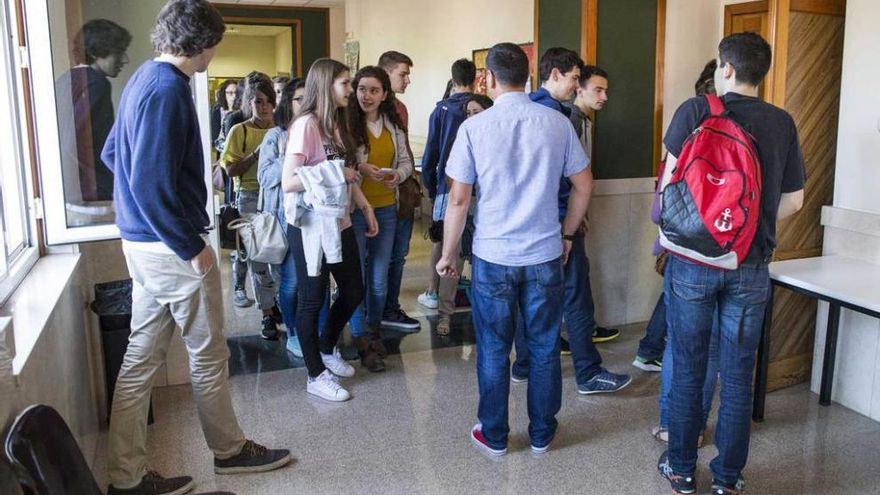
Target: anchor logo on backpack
{"points": [[723, 223]]}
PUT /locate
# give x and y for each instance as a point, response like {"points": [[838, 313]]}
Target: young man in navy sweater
{"points": [[560, 71], [155, 153]]}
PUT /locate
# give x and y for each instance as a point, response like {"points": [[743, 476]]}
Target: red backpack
{"points": [[712, 203]]}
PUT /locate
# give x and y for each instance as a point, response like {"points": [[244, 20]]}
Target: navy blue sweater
{"points": [[442, 128], [155, 152], [543, 97]]}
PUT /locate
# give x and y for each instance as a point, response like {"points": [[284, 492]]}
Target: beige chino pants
{"points": [[169, 294]]}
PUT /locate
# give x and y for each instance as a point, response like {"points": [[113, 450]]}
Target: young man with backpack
{"points": [[743, 164], [560, 71]]}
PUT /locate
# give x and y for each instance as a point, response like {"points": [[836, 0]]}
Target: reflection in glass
{"points": [[85, 114]]}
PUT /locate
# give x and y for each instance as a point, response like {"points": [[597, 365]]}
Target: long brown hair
{"points": [[318, 101], [357, 118]]}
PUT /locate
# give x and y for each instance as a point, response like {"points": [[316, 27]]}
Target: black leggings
{"points": [[311, 292]]}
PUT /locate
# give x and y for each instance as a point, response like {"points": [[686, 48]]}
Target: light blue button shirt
{"points": [[515, 154]]}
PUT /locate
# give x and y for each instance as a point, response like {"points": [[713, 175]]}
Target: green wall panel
{"points": [[626, 49], [314, 28], [559, 24]]}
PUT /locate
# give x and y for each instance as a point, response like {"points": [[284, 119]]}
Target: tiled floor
{"points": [[405, 431]]}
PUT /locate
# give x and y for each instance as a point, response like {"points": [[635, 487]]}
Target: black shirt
{"points": [[776, 140]]}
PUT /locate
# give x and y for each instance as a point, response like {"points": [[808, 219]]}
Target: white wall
{"points": [[692, 35], [239, 55], [434, 34], [337, 33], [852, 225], [857, 180]]}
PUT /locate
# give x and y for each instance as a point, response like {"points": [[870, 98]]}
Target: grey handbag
{"points": [[263, 237]]}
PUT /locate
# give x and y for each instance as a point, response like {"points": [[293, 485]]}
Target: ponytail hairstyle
{"points": [[357, 118], [318, 101]]}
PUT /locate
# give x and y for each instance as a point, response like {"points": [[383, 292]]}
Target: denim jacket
{"points": [[269, 172]]}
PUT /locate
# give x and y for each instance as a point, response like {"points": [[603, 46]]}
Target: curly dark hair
{"points": [[100, 38], [357, 119], [187, 28]]}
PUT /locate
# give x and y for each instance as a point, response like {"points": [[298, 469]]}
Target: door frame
{"points": [[589, 46]]}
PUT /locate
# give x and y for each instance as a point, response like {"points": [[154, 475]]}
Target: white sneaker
{"points": [[429, 300], [337, 365], [326, 387]]}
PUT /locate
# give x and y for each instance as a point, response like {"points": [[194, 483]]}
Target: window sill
{"points": [[33, 302]]}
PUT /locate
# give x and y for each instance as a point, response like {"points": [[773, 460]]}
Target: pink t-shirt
{"points": [[306, 139]]}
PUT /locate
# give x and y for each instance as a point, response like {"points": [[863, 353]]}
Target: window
{"points": [[83, 53], [16, 252]]}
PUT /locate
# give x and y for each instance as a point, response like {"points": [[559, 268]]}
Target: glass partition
{"points": [[82, 53]]}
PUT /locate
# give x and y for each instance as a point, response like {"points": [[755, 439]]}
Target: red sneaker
{"points": [[483, 444]]}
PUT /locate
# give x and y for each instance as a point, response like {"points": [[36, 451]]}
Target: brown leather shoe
{"points": [[370, 359]]}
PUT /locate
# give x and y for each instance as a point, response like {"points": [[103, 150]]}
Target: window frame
{"points": [[25, 255], [57, 232]]}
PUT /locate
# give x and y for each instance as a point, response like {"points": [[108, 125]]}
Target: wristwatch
{"points": [[569, 237]]}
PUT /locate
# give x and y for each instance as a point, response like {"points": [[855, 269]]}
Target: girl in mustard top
{"points": [[384, 162]]}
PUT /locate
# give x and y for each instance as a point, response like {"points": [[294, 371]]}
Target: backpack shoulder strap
{"points": [[716, 106]]}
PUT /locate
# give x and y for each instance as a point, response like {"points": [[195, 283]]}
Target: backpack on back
{"points": [[711, 205]]}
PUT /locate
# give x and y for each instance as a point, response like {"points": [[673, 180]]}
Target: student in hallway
{"points": [[560, 71], [443, 125], [155, 152], [518, 253], [696, 292], [384, 162], [399, 67], [269, 175], [240, 158], [318, 139]]}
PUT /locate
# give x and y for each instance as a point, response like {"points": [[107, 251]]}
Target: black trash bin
{"points": [[113, 306]]}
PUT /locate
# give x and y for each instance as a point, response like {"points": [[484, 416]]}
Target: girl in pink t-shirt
{"points": [[319, 133]]}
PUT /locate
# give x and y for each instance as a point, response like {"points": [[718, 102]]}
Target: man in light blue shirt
{"points": [[515, 154]]}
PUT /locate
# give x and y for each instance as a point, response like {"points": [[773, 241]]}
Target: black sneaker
{"points": [[253, 458], [680, 484], [721, 488], [401, 321], [276, 315], [154, 484], [565, 349], [270, 329], [602, 334]]}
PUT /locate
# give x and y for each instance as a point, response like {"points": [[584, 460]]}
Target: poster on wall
{"points": [[479, 59], [352, 54]]}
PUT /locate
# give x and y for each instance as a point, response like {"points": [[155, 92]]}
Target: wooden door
{"points": [[750, 17]]}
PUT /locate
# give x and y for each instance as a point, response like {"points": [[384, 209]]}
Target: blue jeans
{"points": [[402, 236], [287, 295], [579, 319], [501, 294], [708, 385], [653, 345], [375, 259], [694, 293]]}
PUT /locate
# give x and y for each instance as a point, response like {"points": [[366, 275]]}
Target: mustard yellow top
{"points": [[240, 143], [381, 155]]}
